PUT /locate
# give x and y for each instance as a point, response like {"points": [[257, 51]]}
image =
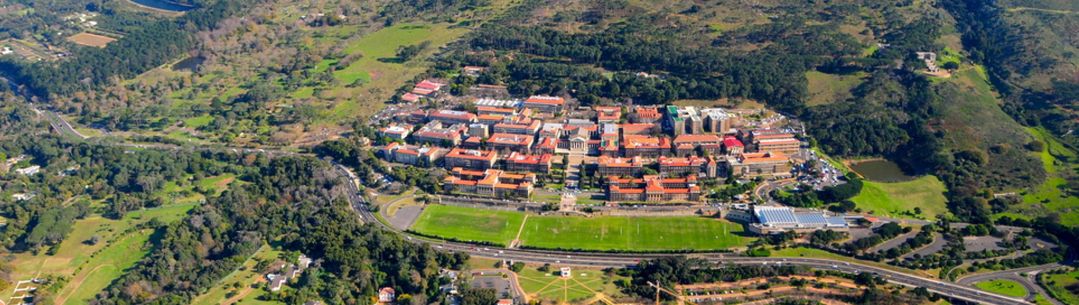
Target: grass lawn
{"points": [[217, 183], [632, 233], [548, 286], [469, 224], [1003, 287], [898, 199], [827, 88], [199, 121], [104, 267], [1058, 285]]}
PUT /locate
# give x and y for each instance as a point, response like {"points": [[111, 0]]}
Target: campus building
{"points": [[688, 144], [645, 146], [653, 188], [518, 162], [523, 127], [777, 219], [396, 131], [717, 120], [434, 132], [543, 103], [764, 164], [607, 114], [507, 142], [452, 117], [612, 166], [413, 155], [645, 114], [490, 182], [683, 166], [779, 144], [470, 159]]}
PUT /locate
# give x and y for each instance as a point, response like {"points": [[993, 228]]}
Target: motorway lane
{"points": [[628, 260], [359, 205]]}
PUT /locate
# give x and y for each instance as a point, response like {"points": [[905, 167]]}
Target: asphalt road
{"points": [[618, 260], [1015, 275], [626, 260]]}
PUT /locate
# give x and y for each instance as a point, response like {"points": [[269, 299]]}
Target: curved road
{"points": [[1027, 281], [626, 260], [359, 205]]}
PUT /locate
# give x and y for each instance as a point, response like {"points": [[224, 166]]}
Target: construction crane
{"points": [[681, 299]]}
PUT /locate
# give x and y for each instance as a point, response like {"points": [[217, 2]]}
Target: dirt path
{"points": [[76, 283], [517, 239], [243, 292]]}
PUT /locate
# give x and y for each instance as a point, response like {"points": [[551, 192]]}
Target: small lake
{"points": [[190, 64], [164, 5], [880, 170]]}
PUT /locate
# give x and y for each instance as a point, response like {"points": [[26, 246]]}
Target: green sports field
{"points": [[468, 224], [594, 233]]}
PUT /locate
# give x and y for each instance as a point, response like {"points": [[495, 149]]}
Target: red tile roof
{"points": [[471, 154], [696, 139], [731, 141], [546, 100]]}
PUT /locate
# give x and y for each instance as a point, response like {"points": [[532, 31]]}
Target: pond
{"points": [[880, 170], [190, 64], [164, 5]]}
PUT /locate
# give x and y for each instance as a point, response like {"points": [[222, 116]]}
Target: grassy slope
{"points": [[469, 224], [1049, 196], [1003, 287], [246, 277], [896, 199], [969, 104], [381, 77], [1058, 283], [827, 88]]}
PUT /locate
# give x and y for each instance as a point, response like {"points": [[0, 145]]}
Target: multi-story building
{"points": [[783, 145], [764, 164], [523, 127], [434, 132], [518, 162], [490, 182], [645, 146], [546, 145], [470, 158], [609, 166], [543, 103], [397, 131], [645, 114], [653, 189], [717, 120], [452, 117], [732, 146], [607, 114], [413, 155], [678, 167], [688, 144], [511, 142], [684, 120], [639, 129], [502, 111], [479, 130]]}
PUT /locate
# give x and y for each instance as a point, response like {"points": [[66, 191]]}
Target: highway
{"points": [[619, 260], [359, 205]]}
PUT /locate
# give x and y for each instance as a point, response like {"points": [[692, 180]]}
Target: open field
{"points": [[587, 233], [1064, 286], [378, 71], [1003, 287], [584, 283], [827, 88], [632, 233], [469, 224], [107, 265], [1049, 196], [91, 40], [898, 199], [245, 276]]}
